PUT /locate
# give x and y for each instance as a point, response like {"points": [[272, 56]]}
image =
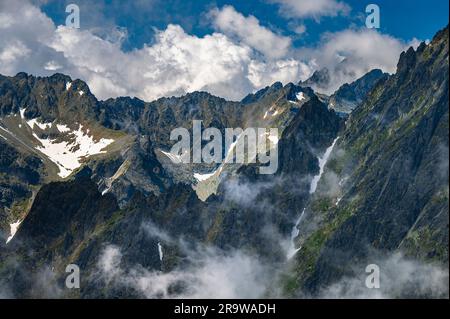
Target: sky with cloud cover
{"points": [[156, 48]]}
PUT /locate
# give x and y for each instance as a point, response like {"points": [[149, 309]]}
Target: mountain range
{"points": [[362, 179]]}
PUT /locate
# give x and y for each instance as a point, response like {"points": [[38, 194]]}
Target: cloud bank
{"points": [[210, 275], [400, 277]]}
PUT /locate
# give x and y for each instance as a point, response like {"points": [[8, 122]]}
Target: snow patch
{"points": [[43, 126], [203, 177], [160, 251], [81, 93], [120, 171], [175, 158], [322, 161], [295, 230], [63, 128], [13, 229], [342, 181], [273, 138], [300, 96], [68, 85], [271, 112], [230, 151]]}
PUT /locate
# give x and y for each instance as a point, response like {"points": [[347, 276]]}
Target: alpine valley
{"points": [[362, 180]]}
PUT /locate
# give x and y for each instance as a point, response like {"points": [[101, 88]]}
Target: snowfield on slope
{"points": [[322, 161], [67, 155], [292, 249], [13, 227]]}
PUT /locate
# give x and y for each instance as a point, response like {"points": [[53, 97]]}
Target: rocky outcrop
{"points": [[385, 189]]}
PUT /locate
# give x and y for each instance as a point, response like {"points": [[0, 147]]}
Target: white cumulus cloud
{"points": [[351, 53], [249, 31], [240, 57], [175, 63]]}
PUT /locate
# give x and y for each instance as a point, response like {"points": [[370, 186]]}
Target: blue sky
{"points": [[405, 19], [154, 48]]}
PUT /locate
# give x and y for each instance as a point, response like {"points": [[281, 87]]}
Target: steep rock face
{"points": [[122, 113], [387, 185], [277, 200], [255, 97], [55, 119], [349, 96], [62, 220], [48, 129], [63, 210], [313, 128], [134, 169], [20, 174], [55, 97], [280, 199]]}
